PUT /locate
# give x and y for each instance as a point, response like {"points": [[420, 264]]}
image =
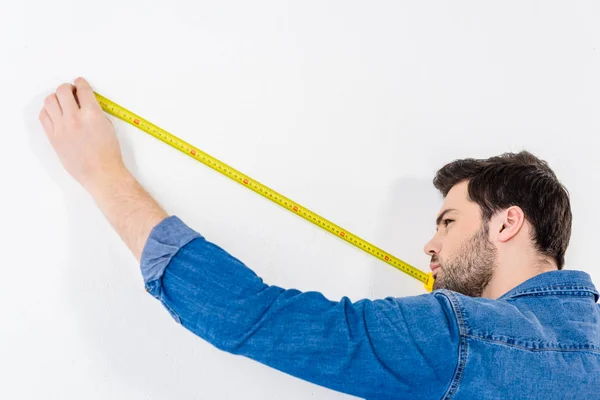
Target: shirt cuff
{"points": [[164, 241]]}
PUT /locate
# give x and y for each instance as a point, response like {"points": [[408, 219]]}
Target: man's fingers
{"points": [[66, 98], [52, 106], [85, 94], [46, 121]]}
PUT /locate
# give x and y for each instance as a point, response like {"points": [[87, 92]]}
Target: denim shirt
{"points": [[541, 340]]}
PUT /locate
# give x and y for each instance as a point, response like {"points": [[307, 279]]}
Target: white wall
{"points": [[346, 107]]}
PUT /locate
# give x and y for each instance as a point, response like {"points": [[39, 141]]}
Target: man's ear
{"points": [[512, 221]]}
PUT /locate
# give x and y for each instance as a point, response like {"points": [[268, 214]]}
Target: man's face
{"points": [[461, 246]]}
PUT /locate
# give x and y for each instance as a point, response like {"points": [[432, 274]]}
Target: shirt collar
{"points": [[554, 281]]}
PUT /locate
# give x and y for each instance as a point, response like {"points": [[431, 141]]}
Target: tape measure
{"points": [[122, 113]]}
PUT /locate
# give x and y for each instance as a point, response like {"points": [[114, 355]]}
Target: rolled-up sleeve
{"points": [[376, 349]]}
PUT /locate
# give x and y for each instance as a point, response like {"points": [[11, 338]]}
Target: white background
{"points": [[346, 107]]}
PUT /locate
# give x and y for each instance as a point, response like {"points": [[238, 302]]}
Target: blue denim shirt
{"points": [[541, 340]]}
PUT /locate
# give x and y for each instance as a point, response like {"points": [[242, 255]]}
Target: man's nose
{"points": [[432, 247]]}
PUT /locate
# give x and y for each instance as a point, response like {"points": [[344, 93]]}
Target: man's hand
{"points": [[85, 141], [81, 134]]}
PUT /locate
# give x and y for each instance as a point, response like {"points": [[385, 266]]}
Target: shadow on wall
{"points": [[405, 222], [105, 292]]}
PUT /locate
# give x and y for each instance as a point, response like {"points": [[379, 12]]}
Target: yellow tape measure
{"points": [[172, 140]]}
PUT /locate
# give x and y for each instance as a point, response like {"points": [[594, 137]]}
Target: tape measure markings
{"points": [[219, 166]]}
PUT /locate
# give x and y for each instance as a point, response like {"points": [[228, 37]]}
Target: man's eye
{"points": [[447, 221]]}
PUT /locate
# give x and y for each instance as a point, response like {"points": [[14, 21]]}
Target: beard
{"points": [[470, 270]]}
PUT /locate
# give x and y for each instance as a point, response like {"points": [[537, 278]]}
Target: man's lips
{"points": [[433, 266]]}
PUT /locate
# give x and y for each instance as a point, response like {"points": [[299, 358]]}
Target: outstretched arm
{"points": [[384, 349], [84, 139]]}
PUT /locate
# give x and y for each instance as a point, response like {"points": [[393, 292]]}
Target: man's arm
{"points": [[385, 349], [85, 141], [393, 348], [129, 208]]}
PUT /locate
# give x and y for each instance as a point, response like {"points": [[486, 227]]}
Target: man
{"points": [[504, 321]]}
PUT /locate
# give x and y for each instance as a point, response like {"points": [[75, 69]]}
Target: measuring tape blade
{"points": [[122, 113]]}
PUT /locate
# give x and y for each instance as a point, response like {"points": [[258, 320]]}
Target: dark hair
{"points": [[519, 179]]}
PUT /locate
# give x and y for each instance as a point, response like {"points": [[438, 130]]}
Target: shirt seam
{"points": [[462, 347], [563, 287], [540, 293], [591, 350]]}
